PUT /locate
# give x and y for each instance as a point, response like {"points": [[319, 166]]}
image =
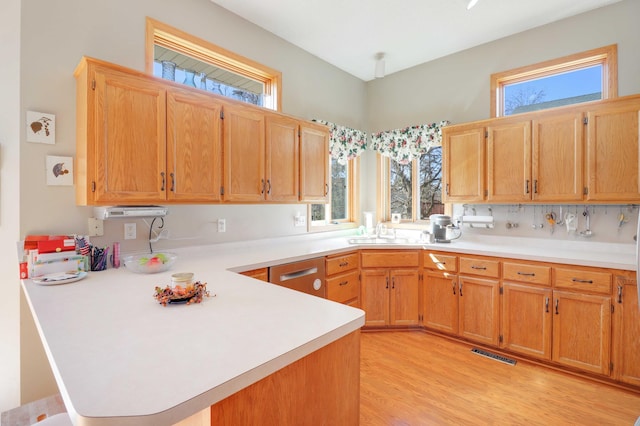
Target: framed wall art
{"points": [[41, 127], [59, 170]]}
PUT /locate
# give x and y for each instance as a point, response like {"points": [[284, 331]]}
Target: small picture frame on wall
{"points": [[41, 127], [59, 170]]}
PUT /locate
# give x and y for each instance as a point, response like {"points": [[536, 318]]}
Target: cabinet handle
{"points": [[162, 186], [269, 186], [527, 274], [546, 305], [578, 280], [619, 294], [453, 282], [482, 268], [447, 190], [387, 283], [526, 187], [326, 189], [393, 282], [557, 301], [173, 182], [343, 264], [344, 283], [262, 185], [535, 186], [460, 289]]}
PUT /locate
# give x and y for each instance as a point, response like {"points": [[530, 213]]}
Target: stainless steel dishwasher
{"points": [[306, 276]]}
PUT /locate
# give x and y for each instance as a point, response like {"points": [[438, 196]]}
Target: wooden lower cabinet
{"points": [[582, 331], [479, 309], [259, 274], [344, 288], [440, 302], [390, 297], [626, 326], [526, 320]]}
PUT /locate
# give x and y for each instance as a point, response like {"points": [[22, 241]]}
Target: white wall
{"points": [[9, 203]]}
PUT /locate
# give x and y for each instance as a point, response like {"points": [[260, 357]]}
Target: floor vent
{"points": [[494, 356]]}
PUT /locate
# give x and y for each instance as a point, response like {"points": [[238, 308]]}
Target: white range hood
{"points": [[116, 212]]}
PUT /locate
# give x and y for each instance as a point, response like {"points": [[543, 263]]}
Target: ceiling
{"points": [[349, 33]]}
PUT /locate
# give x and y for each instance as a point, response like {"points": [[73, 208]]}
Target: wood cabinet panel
{"points": [[626, 343], [527, 320], [612, 151], [314, 163], [583, 279], [557, 157], [582, 331], [344, 288], [439, 261], [375, 296], [509, 162], [282, 158], [479, 310], [526, 273], [389, 258], [404, 297], [479, 266], [259, 274], [342, 263], [244, 154], [440, 302], [463, 159], [194, 147]]}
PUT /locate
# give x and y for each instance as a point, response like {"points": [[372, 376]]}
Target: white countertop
{"points": [[121, 358]]}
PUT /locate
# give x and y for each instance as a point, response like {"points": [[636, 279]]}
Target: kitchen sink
{"points": [[383, 240]]}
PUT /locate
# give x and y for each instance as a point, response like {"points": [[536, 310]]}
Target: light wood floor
{"points": [[413, 378]]}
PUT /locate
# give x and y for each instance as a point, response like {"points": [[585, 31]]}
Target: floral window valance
{"points": [[405, 145], [345, 143]]}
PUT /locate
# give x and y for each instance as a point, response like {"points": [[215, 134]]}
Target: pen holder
{"points": [[99, 258]]}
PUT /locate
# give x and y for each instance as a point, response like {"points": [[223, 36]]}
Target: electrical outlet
{"points": [[299, 220], [129, 231], [96, 227], [222, 225]]}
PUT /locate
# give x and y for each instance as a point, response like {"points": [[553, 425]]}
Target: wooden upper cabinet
{"points": [[314, 163], [557, 157], [194, 147], [612, 151], [121, 142], [509, 162], [244, 154], [282, 158], [463, 159]]}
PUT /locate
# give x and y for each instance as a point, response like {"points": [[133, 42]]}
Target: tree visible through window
{"points": [[339, 209]]}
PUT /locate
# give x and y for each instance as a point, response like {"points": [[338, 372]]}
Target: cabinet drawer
{"points": [[583, 279], [344, 287], [440, 262], [523, 272], [389, 258], [482, 267], [342, 263]]}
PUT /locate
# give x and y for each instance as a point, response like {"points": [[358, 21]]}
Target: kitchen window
{"points": [[414, 189], [583, 77], [181, 57], [340, 210]]}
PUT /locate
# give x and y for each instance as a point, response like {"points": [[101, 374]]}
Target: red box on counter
{"points": [[57, 245]]}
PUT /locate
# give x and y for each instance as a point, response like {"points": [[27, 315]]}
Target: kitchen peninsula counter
{"points": [[121, 358]]}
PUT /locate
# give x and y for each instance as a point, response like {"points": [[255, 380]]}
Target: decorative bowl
{"points": [[150, 263]]}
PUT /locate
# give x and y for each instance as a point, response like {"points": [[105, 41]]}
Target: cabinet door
{"points": [[509, 162], [194, 138], [344, 288], [129, 156], [463, 152], [244, 154], [314, 163], [404, 297], [582, 331], [526, 320], [626, 345], [612, 152], [479, 312], [375, 296], [440, 302], [557, 157], [282, 159]]}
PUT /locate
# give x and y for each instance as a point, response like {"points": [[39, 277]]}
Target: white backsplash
{"points": [[525, 221]]}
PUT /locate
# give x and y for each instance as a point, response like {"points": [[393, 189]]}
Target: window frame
{"points": [[353, 203], [606, 56], [158, 33]]}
